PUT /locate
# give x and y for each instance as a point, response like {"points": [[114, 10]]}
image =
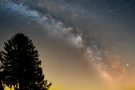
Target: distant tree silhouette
{"points": [[21, 66]]}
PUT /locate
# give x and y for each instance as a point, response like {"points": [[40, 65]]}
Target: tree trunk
{"points": [[1, 86]]}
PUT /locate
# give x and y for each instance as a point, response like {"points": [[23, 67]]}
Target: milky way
{"points": [[102, 32]]}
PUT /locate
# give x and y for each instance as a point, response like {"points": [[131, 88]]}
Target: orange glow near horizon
{"points": [[126, 85], [7, 88]]}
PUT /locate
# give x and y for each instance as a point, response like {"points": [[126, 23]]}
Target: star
{"points": [[127, 64]]}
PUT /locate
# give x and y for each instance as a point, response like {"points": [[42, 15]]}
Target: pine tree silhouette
{"points": [[21, 65]]}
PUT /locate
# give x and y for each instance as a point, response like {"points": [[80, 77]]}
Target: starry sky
{"points": [[83, 44]]}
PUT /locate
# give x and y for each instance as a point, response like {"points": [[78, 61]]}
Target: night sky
{"points": [[83, 44]]}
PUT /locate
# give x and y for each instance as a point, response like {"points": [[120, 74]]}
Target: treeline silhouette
{"points": [[20, 65]]}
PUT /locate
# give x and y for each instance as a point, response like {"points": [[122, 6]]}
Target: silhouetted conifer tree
{"points": [[21, 65]]}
